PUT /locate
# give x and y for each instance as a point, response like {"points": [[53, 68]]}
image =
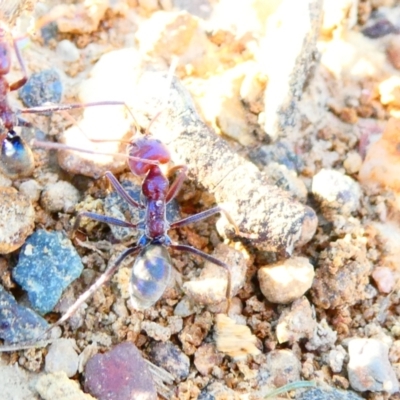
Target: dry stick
{"points": [[270, 216]]}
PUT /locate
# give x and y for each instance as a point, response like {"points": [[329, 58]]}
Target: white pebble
{"points": [[59, 196], [67, 51], [62, 356]]}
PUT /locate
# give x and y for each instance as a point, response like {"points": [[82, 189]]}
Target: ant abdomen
{"points": [[16, 158], [150, 276]]}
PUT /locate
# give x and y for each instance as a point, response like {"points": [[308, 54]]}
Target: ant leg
{"points": [[105, 277], [21, 82], [208, 257], [121, 191], [100, 218], [177, 185], [203, 215]]}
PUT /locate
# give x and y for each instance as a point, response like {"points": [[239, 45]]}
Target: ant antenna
{"points": [[164, 104]]}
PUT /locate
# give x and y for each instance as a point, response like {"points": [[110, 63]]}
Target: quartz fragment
{"points": [[120, 374]]}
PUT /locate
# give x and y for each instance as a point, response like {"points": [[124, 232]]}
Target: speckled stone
{"points": [[18, 323], [119, 374], [42, 87], [47, 264], [328, 394], [62, 356], [59, 196], [170, 357], [17, 217]]}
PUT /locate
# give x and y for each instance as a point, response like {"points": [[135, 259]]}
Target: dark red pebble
{"points": [[120, 374]]}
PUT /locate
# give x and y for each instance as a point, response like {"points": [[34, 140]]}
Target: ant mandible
{"points": [[16, 158], [151, 269]]}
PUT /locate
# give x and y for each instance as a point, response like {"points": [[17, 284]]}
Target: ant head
{"points": [[146, 148]]}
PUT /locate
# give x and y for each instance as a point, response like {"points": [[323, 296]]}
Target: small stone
{"points": [[60, 196], [67, 51], [389, 91], [47, 264], [217, 390], [185, 307], [381, 166], [58, 386], [210, 288], [323, 338], [393, 52], [156, 331], [17, 218], [120, 374], [171, 358], [369, 368], [31, 189], [379, 28], [335, 359], [296, 323], [16, 382], [286, 281], [327, 394], [384, 279], [62, 356], [42, 87], [18, 323], [234, 339], [283, 367], [352, 163], [336, 192], [206, 358]]}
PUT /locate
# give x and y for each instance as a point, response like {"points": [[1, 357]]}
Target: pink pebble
{"points": [[120, 374], [384, 279]]}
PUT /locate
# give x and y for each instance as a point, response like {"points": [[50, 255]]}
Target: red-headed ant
{"points": [[152, 268]]}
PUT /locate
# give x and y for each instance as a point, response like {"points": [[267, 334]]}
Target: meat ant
{"points": [[16, 158], [152, 268]]}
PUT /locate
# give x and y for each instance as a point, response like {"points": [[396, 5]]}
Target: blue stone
{"points": [[42, 87], [18, 323], [47, 264]]}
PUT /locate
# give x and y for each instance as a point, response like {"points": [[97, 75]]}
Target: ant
{"points": [[16, 158], [152, 268]]}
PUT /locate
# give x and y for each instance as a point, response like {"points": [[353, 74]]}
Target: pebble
{"points": [[382, 163], [62, 356], [102, 122], [119, 374], [156, 331], [384, 279], [31, 189], [206, 358], [17, 219], [233, 339], [185, 307], [282, 367], [60, 196], [335, 359], [336, 192], [343, 273], [58, 386], [210, 288], [323, 339], [352, 163], [369, 368], [18, 323], [296, 323], [42, 87], [327, 394], [16, 382], [379, 29], [67, 51], [286, 281], [389, 91], [171, 358], [216, 391], [47, 264], [393, 52]]}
